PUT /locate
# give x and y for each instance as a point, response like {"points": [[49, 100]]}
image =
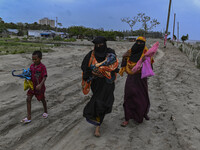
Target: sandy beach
{"points": [[174, 113]]}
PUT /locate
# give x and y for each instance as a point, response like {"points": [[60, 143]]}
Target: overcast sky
{"points": [[106, 14]]}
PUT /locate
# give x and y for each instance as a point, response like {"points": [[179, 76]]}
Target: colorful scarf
{"points": [[104, 70]]}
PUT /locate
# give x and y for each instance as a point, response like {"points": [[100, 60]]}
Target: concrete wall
{"points": [[192, 53]]}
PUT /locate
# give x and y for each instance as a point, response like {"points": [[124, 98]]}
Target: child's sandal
{"points": [[45, 115], [25, 120]]}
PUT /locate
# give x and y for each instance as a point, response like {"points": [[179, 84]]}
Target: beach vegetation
{"points": [[70, 40], [16, 46], [57, 38], [181, 47], [184, 38]]}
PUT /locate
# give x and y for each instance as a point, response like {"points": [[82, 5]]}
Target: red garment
{"points": [[37, 74], [39, 96]]}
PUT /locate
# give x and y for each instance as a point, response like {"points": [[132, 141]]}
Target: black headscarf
{"points": [[101, 51], [136, 51]]}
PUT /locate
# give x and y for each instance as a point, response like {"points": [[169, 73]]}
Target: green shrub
{"points": [[16, 39], [57, 38], [70, 40]]}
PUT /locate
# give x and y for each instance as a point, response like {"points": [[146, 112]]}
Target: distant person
{"points": [[136, 98], [99, 68], [38, 77]]}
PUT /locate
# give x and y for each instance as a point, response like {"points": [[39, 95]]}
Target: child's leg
{"points": [[28, 101], [44, 105]]}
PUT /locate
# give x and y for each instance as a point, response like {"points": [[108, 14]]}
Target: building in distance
{"points": [[47, 22]]}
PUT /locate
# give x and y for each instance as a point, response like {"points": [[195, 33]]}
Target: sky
{"points": [[106, 14]]}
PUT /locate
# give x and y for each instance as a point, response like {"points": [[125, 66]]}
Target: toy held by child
{"points": [[26, 74]]}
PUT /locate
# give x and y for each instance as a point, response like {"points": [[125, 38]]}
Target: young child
{"points": [[38, 77]]}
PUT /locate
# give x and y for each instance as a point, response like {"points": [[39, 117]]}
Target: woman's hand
{"points": [[143, 58]]}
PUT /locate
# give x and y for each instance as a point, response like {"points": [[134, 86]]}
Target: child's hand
{"points": [[97, 64], [38, 87]]}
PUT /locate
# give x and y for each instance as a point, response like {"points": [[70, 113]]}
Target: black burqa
{"points": [[137, 50], [103, 93]]}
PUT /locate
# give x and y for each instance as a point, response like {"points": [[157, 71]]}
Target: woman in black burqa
{"points": [[102, 99]]}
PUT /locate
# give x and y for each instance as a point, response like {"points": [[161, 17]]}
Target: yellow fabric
{"points": [[129, 65], [141, 38], [121, 71], [98, 119], [28, 85]]}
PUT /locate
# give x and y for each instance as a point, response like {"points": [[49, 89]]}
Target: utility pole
{"points": [[173, 27], [177, 31], [165, 40], [56, 23]]}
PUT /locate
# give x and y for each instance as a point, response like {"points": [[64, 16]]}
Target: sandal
{"points": [[25, 120], [124, 124], [45, 115]]}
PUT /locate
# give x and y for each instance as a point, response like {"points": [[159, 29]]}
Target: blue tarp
{"points": [[45, 33]]}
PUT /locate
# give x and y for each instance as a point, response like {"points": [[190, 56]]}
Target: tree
{"points": [[20, 26], [20, 33], [2, 25], [184, 38], [131, 22], [147, 23], [60, 24], [10, 25]]}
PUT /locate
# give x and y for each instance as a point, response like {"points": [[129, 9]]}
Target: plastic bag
{"points": [[28, 84], [146, 68]]}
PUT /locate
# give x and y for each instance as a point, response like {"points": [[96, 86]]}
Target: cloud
{"points": [[196, 2], [61, 1]]}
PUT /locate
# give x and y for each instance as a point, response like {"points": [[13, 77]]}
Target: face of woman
{"points": [[99, 45], [139, 42]]}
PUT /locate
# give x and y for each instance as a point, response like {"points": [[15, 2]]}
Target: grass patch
{"points": [[15, 46], [70, 40]]}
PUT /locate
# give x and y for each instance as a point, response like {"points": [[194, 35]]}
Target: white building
{"points": [[12, 31], [34, 33], [49, 33]]}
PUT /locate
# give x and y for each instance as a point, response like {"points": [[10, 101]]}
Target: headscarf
{"points": [[101, 51], [137, 49]]}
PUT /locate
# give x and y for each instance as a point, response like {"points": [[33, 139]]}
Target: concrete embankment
{"points": [[192, 53]]}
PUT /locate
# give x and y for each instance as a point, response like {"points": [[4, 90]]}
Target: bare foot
{"points": [[97, 133]]}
